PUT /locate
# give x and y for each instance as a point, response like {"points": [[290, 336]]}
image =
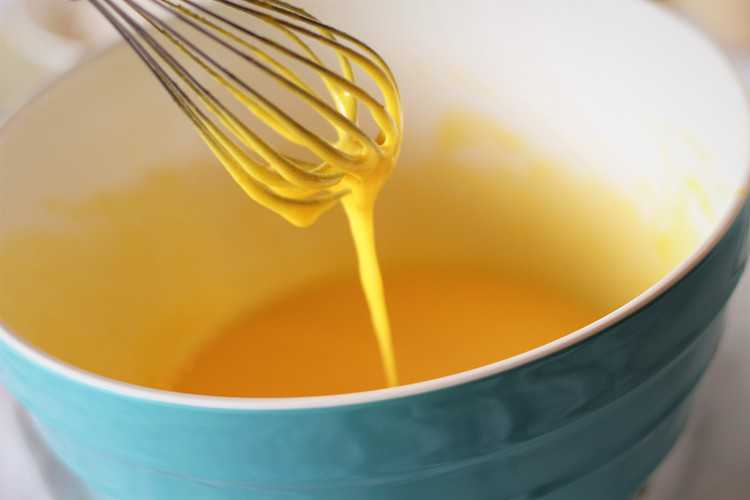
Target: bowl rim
{"points": [[626, 310]]}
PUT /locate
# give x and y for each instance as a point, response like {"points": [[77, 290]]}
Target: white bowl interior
{"points": [[620, 132]]}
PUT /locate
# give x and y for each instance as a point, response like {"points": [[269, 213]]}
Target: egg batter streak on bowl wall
{"points": [[490, 249]]}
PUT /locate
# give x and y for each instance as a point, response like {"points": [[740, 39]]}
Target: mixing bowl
{"points": [[115, 232]]}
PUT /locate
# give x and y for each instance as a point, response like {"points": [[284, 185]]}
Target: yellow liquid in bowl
{"points": [[318, 340], [174, 276]]}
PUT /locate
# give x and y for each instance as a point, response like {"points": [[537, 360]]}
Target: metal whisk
{"points": [[300, 189]]}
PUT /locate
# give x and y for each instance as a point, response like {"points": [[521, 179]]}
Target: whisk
{"points": [[351, 167], [299, 189]]}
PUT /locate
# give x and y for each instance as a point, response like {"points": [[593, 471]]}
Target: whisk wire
{"points": [[379, 72], [345, 104], [262, 107], [286, 169], [392, 103], [273, 178], [208, 130], [312, 62]]}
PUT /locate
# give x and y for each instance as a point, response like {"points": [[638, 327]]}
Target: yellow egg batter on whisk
{"points": [[352, 168]]}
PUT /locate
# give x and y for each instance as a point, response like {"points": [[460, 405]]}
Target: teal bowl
{"points": [[620, 91]]}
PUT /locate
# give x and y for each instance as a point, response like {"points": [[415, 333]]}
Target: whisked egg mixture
{"points": [[514, 251]]}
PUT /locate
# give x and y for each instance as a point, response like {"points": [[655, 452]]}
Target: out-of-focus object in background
{"points": [[73, 21], [727, 20], [41, 38], [53, 34]]}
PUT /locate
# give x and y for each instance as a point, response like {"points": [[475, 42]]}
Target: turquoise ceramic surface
{"points": [[588, 417]]}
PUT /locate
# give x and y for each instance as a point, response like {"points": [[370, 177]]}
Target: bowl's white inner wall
{"points": [[93, 264]]}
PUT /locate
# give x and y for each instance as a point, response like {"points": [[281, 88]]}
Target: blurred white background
{"points": [[39, 39]]}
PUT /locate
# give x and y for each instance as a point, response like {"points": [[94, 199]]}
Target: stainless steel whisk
{"points": [[299, 189]]}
